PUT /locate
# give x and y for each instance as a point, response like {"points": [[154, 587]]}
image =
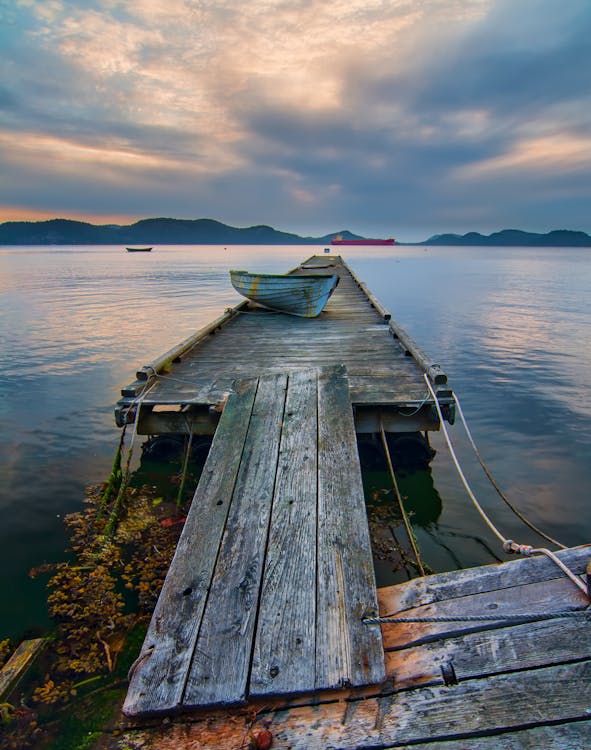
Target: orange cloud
{"points": [[560, 152], [23, 213], [110, 158]]}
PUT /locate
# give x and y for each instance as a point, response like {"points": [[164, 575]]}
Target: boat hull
{"points": [[295, 294], [138, 249]]}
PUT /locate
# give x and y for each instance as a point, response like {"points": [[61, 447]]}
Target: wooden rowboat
{"points": [[297, 294]]}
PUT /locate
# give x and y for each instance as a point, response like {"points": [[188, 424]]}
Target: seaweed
{"points": [[100, 601]]}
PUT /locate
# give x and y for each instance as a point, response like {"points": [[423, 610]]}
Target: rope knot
{"points": [[513, 548]]}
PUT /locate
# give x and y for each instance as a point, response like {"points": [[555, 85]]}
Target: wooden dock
{"points": [[449, 685], [262, 623], [385, 366], [273, 573]]}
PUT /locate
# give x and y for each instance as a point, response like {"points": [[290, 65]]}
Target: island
{"points": [[167, 231]]}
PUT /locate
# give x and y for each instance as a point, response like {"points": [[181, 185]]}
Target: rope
{"points": [[409, 531], [530, 617], [179, 499], [485, 518], [260, 311], [117, 505], [415, 409], [500, 493], [509, 545]]}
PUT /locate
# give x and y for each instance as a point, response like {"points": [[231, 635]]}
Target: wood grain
{"points": [[219, 671], [484, 653], [348, 652], [284, 651], [457, 583]]}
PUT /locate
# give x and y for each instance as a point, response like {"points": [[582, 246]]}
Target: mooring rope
{"points": [[499, 491], [179, 499], [526, 617], [117, 505], [138, 402], [416, 409], [509, 545], [409, 531], [158, 376], [260, 311]]}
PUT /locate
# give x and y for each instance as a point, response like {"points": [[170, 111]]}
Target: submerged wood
{"points": [[18, 664]]}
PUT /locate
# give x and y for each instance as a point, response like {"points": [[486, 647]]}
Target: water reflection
{"points": [[509, 325], [394, 560]]}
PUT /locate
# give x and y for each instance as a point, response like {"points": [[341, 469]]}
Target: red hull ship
{"points": [[338, 240]]}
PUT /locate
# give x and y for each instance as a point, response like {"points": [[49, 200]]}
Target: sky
{"points": [[399, 118]]}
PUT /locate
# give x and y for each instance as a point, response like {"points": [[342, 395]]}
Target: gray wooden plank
{"points": [[158, 680], [219, 670], [551, 704], [284, 652], [347, 652]]}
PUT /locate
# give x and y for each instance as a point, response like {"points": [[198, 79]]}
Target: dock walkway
{"points": [[385, 366], [273, 572], [262, 621]]}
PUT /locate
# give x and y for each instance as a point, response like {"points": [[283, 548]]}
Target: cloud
{"points": [[562, 152], [372, 114]]}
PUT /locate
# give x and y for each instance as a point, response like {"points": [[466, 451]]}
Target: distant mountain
{"points": [[163, 231], [514, 238], [149, 231]]}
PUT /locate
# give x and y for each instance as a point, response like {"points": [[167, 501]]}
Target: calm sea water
{"points": [[509, 325]]}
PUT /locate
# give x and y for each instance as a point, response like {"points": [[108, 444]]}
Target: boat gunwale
{"points": [[292, 275]]}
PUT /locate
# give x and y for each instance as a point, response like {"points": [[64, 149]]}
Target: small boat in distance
{"points": [[338, 240], [138, 249], [304, 295]]}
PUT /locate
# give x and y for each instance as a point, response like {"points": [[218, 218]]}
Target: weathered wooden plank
{"points": [[147, 371], [459, 583], [347, 651], [479, 654], [573, 736], [219, 670], [284, 653], [542, 701], [541, 597], [18, 664], [496, 703], [158, 679]]}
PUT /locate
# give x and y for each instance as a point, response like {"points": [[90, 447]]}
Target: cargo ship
{"points": [[338, 240]]}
